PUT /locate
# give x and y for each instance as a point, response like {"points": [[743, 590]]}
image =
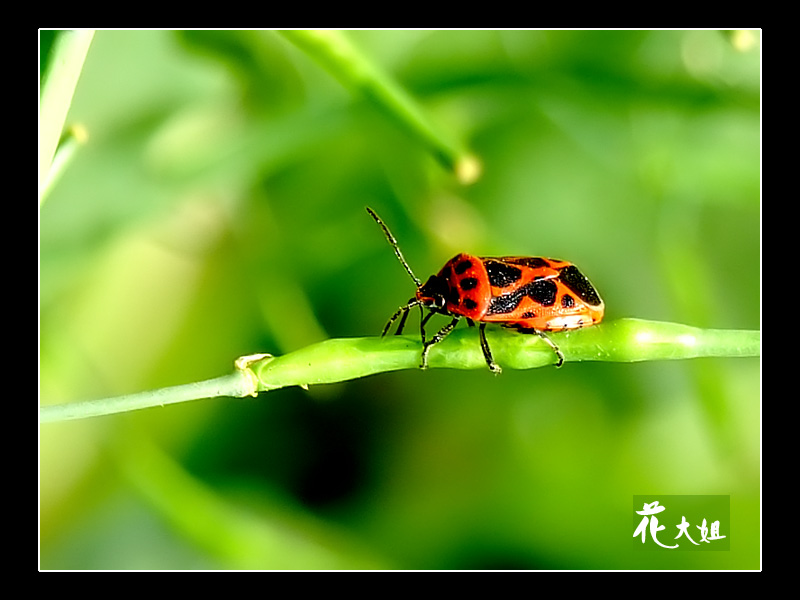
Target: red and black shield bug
{"points": [[526, 293]]}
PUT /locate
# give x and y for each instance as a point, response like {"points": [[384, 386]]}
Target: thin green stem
{"points": [[74, 137], [334, 51], [235, 385], [336, 360], [57, 89]]}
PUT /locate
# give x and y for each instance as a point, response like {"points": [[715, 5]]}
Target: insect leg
{"points": [[551, 343], [543, 335], [423, 320], [402, 323], [403, 310], [487, 353], [443, 333]]}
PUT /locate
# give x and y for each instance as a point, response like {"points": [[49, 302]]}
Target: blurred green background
{"points": [[217, 210]]}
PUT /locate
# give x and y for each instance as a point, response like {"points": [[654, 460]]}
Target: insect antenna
{"points": [[393, 243]]}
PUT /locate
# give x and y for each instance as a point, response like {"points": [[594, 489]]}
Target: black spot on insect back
{"points": [[500, 305], [454, 297], [542, 291], [501, 274], [468, 283], [575, 280], [462, 267], [567, 301]]}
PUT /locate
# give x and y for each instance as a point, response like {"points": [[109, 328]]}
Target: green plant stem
{"points": [[74, 137], [343, 359], [334, 51], [57, 89], [234, 385], [624, 340]]}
